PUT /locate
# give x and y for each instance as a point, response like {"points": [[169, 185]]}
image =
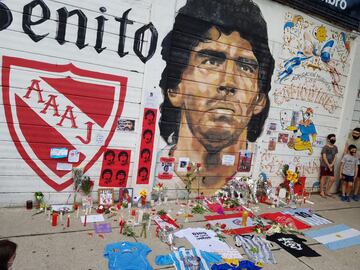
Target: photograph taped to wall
{"points": [[127, 125], [126, 194], [183, 163], [166, 169], [283, 138], [245, 159], [272, 144], [106, 196], [115, 168]]}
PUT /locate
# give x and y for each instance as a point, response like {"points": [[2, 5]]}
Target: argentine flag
{"points": [[336, 237]]}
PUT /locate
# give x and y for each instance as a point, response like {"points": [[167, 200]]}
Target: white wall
{"points": [[19, 180]]}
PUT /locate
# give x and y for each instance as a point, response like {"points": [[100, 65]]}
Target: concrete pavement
{"points": [[41, 246]]}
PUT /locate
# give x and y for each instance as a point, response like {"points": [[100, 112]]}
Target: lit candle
{"points": [[85, 220], [244, 218], [140, 215], [68, 221], [54, 219]]}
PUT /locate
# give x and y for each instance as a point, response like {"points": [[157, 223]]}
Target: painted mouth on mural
{"points": [[222, 110]]}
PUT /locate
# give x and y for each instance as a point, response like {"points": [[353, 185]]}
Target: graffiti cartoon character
{"points": [[307, 128]]}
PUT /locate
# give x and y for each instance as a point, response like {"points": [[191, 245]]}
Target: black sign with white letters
{"points": [[345, 13]]}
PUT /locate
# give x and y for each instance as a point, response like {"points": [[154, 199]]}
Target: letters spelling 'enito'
{"points": [[6, 19]]}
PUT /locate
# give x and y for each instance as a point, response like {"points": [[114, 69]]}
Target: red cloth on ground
{"points": [[285, 219]]}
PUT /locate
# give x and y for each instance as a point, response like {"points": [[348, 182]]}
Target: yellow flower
{"points": [[143, 193]]}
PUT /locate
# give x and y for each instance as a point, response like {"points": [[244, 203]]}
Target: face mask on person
{"points": [[332, 141]]}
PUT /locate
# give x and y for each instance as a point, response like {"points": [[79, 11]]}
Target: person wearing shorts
{"points": [[354, 138], [348, 171], [327, 162]]}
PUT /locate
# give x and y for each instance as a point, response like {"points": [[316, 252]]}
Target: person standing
{"points": [[353, 139], [348, 171], [327, 162], [7, 254]]}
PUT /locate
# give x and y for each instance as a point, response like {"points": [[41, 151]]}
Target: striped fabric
{"points": [[189, 259], [336, 237], [307, 216], [256, 248]]}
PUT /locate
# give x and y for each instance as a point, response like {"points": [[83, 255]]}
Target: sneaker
{"points": [[343, 198], [355, 197]]}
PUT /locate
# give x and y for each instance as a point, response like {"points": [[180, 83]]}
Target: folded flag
{"points": [[336, 237]]}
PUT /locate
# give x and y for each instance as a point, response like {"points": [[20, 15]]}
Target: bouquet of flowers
{"points": [[193, 171], [39, 199], [86, 185], [81, 183], [158, 191], [143, 195], [291, 175]]}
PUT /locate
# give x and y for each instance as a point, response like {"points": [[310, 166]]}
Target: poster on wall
{"points": [[126, 125], [115, 168], [166, 170], [146, 146], [245, 159]]}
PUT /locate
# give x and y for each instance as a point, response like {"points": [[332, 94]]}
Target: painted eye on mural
{"points": [[213, 61], [247, 65]]}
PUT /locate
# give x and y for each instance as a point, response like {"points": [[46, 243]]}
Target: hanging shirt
{"points": [[189, 259], [127, 256], [307, 216], [256, 248], [293, 244], [286, 219], [203, 239]]}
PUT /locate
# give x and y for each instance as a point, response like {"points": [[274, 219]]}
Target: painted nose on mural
{"points": [[227, 84]]}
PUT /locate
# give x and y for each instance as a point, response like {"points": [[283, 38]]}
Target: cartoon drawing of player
{"points": [[307, 128]]}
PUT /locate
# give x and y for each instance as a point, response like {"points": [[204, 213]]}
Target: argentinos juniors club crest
{"points": [[49, 105]]}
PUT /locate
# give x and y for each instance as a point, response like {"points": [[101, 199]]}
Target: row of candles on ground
{"points": [[54, 216]]}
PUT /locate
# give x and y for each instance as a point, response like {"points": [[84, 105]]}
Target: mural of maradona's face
{"points": [[219, 89]]}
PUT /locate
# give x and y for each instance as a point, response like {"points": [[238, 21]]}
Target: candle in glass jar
{"points": [[29, 204]]}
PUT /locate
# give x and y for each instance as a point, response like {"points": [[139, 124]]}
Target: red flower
{"points": [[208, 226], [198, 165], [223, 226], [188, 168]]}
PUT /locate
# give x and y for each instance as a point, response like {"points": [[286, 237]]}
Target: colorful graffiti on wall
{"points": [[315, 59], [217, 99]]}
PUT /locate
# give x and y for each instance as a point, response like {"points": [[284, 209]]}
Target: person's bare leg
{"points": [[348, 190], [355, 196], [343, 188], [329, 185], [322, 184]]}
